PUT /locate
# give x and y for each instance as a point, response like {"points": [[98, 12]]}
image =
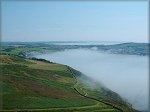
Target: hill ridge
{"points": [[19, 73]]}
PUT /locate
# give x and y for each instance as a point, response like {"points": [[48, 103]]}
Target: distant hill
{"points": [[128, 48], [40, 85], [24, 49]]}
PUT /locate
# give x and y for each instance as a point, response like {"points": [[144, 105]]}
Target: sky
{"points": [[29, 21]]}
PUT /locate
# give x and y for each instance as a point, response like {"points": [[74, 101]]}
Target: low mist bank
{"points": [[125, 74]]}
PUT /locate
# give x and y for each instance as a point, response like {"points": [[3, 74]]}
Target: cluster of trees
{"points": [[40, 59]]}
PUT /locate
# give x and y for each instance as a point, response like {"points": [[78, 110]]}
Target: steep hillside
{"points": [[39, 85]]}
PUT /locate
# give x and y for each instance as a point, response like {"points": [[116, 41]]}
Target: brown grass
{"points": [[46, 66], [23, 84], [5, 59]]}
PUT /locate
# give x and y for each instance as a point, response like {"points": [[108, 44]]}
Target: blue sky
{"points": [[75, 21]]}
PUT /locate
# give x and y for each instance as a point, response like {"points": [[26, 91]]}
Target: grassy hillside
{"points": [[32, 85]]}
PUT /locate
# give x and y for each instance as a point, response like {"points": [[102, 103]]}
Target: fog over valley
{"points": [[75, 56], [125, 74]]}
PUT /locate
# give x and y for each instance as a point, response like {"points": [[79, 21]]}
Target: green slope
{"points": [[32, 85]]}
